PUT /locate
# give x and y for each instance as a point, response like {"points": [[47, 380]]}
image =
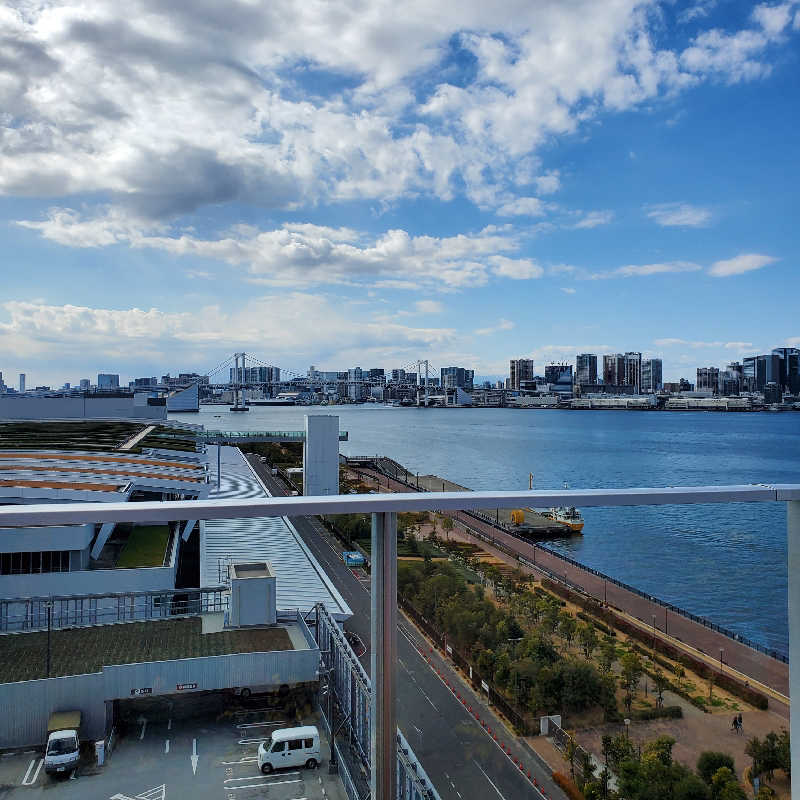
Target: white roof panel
{"points": [[300, 580]]}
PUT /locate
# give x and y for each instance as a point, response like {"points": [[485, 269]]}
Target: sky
{"points": [[341, 184]]}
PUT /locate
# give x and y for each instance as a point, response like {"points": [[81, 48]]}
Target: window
{"points": [[278, 747], [296, 744], [309, 743]]}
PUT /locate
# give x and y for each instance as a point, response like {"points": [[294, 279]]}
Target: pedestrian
{"points": [[739, 719], [735, 723]]}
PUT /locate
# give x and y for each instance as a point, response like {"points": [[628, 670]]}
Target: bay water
{"points": [[724, 562]]}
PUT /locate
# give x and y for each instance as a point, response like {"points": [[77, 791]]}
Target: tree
{"points": [[567, 627], [691, 787], [588, 638], [632, 670], [447, 524], [724, 786], [661, 683], [607, 655], [710, 761], [570, 751]]}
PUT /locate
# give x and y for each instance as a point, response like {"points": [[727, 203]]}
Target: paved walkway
{"points": [[739, 660]]}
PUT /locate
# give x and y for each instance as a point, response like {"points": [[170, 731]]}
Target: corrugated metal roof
{"points": [[300, 580]]}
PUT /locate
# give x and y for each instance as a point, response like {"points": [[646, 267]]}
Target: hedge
{"points": [[599, 625], [666, 712], [723, 681], [570, 789]]}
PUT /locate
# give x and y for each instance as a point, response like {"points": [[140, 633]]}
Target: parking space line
{"points": [[260, 785], [166, 746], [265, 777], [28, 773], [252, 741], [260, 724], [242, 760]]}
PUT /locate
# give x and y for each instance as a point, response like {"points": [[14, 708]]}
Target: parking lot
{"points": [[159, 757]]}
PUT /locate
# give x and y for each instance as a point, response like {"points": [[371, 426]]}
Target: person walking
{"points": [[739, 720], [735, 724]]}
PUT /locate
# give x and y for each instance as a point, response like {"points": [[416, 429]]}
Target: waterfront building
{"points": [[789, 368], [730, 382], [614, 369], [558, 377], [708, 379], [758, 371], [377, 377], [84, 384], [586, 369], [652, 380], [398, 376], [520, 369], [143, 383], [2, 385], [457, 378], [21, 382], [107, 380], [633, 370], [677, 387], [773, 393]]}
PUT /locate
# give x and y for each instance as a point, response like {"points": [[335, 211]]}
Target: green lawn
{"points": [[145, 547]]}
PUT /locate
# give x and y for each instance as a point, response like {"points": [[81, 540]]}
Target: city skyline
{"points": [[473, 181]]}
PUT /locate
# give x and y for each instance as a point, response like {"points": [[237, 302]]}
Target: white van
{"points": [[289, 747]]}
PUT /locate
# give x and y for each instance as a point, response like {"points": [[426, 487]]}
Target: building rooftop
{"points": [[78, 651], [300, 581]]}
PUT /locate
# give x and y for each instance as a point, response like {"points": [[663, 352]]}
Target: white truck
{"points": [[62, 752]]}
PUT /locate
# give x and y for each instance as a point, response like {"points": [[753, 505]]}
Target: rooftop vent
{"points": [[252, 594]]}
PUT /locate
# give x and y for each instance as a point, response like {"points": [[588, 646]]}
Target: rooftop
{"points": [[77, 651]]}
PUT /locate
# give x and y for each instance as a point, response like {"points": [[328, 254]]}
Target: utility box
{"points": [[252, 594]]}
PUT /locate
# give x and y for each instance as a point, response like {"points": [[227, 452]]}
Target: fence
{"points": [[561, 740], [75, 611], [522, 722], [398, 472], [349, 709]]}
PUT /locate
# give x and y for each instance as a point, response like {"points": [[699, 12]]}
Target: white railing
{"points": [[384, 508]]}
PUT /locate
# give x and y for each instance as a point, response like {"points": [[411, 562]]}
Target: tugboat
{"points": [[566, 515]]}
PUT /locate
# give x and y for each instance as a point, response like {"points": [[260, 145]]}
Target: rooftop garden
{"points": [[146, 547]]}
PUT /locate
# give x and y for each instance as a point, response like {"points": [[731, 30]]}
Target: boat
{"points": [[566, 515]]}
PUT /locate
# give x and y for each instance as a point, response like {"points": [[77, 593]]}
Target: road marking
{"points": [[252, 741], [28, 773], [166, 746], [242, 760], [143, 722], [489, 779], [157, 793], [194, 757], [36, 773], [260, 724], [260, 785], [272, 783], [169, 724]]}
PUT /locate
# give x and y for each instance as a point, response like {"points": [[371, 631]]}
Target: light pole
{"points": [[721, 652], [49, 606], [654, 635]]}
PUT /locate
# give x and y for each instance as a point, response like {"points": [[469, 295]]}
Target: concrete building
{"points": [[84, 384], [21, 382], [457, 378], [586, 369], [614, 369], [70, 405], [758, 371], [520, 369], [789, 368], [652, 380], [633, 370], [558, 377], [708, 379], [107, 380]]}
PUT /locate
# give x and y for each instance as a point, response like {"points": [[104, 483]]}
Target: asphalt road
{"points": [[460, 757]]}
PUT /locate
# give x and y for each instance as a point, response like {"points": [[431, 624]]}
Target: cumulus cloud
{"points": [[522, 206], [170, 107], [643, 270], [681, 215], [302, 254], [746, 262], [428, 307], [568, 290], [503, 325], [273, 326], [593, 219]]}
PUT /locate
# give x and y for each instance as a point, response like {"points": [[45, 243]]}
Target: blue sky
{"points": [[333, 185]]}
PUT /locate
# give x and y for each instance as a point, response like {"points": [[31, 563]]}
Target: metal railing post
{"points": [[793, 536], [383, 624]]}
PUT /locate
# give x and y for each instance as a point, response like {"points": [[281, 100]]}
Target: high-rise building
{"points": [[107, 380], [520, 369], [633, 371], [84, 384], [2, 385], [758, 371], [586, 369], [652, 377], [708, 379], [558, 373], [789, 368], [398, 376], [22, 381], [457, 378], [614, 369]]}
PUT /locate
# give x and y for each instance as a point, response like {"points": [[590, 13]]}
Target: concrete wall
{"points": [[27, 706], [321, 455], [26, 407], [33, 701], [45, 537]]}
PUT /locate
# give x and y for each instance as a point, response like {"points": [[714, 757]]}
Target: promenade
{"points": [[720, 651]]}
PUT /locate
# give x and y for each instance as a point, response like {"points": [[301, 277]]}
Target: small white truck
{"points": [[62, 751]]}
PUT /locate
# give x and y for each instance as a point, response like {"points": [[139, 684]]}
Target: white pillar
{"points": [[383, 626], [793, 535], [321, 455]]}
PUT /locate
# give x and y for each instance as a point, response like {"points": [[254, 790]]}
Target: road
{"points": [[460, 757]]}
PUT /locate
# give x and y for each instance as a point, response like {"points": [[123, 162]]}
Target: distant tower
{"points": [[22, 381]]}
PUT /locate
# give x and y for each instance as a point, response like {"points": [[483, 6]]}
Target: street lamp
{"points": [[627, 726], [721, 651], [654, 634], [49, 606]]}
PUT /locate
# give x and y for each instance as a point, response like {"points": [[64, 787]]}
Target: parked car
{"points": [[290, 747], [62, 752]]}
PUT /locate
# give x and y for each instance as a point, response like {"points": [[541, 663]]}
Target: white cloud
{"points": [[300, 255], [285, 328], [593, 219], [428, 307], [503, 325], [746, 262], [679, 215], [169, 107], [522, 206], [568, 290], [519, 269], [643, 270], [701, 345]]}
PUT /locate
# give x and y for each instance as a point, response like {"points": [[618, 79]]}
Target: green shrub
{"points": [[570, 789], [665, 712]]}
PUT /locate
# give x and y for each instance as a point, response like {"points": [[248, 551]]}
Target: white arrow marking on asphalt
{"points": [[143, 722], [166, 746], [194, 757]]}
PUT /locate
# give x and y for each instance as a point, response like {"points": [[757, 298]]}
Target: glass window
{"points": [[309, 743], [296, 744], [278, 747]]}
